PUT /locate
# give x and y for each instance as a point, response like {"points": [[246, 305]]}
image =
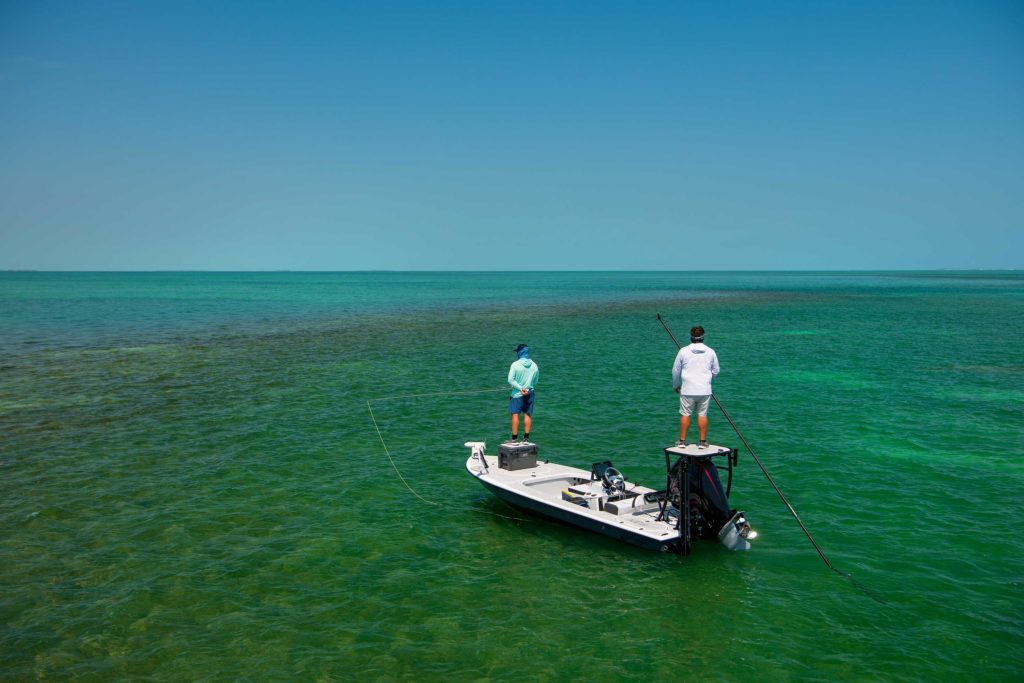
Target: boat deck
{"points": [[636, 514], [569, 494]]}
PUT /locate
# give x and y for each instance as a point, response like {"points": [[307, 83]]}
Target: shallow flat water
{"points": [[193, 486]]}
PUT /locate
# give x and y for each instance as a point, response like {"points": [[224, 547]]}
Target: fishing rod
{"points": [[758, 461]]}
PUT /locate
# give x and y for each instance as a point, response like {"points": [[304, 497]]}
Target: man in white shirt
{"points": [[695, 366]]}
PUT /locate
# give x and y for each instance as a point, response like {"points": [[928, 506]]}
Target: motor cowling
{"points": [[706, 499]]}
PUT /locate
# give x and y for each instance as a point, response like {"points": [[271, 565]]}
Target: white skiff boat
{"points": [[603, 501]]}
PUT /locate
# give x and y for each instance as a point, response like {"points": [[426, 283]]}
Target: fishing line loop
{"points": [[394, 465]]}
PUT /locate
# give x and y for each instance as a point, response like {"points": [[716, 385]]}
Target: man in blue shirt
{"points": [[522, 376]]}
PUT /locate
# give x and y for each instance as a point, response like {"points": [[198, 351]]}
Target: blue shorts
{"points": [[521, 404]]}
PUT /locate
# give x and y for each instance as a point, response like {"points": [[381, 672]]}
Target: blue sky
{"points": [[511, 135]]}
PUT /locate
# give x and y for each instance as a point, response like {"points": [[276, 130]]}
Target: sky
{"points": [[511, 135]]}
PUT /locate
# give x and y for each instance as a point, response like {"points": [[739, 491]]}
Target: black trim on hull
{"points": [[550, 512]]}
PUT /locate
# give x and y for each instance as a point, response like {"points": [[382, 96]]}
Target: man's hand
{"points": [[677, 389]]}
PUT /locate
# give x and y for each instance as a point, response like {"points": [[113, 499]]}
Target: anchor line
{"points": [[394, 465]]}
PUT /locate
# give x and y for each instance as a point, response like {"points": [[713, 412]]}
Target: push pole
{"points": [[758, 461]]}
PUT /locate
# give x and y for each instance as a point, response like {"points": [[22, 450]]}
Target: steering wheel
{"points": [[613, 479]]}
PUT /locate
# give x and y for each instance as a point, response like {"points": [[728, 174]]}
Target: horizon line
{"points": [[536, 270]]}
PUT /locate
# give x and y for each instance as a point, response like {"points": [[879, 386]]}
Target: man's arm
{"points": [[677, 371], [512, 378], [714, 365]]}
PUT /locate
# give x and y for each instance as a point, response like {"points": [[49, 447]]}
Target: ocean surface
{"points": [[261, 476]]}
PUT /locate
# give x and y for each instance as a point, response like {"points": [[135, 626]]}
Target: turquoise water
{"points": [[193, 487]]}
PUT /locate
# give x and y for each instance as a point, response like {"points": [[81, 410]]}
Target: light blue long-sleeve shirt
{"points": [[522, 375]]}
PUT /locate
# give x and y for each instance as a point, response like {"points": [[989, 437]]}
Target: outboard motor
{"points": [[709, 508], [707, 502]]}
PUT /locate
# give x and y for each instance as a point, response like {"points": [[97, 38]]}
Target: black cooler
{"points": [[517, 456]]}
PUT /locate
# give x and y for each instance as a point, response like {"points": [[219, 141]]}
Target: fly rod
{"points": [[757, 460]]}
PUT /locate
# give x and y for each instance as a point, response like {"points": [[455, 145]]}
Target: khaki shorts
{"points": [[688, 403]]}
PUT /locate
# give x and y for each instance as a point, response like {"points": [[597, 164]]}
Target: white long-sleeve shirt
{"points": [[695, 366]]}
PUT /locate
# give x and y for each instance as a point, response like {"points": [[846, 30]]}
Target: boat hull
{"points": [[573, 497], [542, 509]]}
